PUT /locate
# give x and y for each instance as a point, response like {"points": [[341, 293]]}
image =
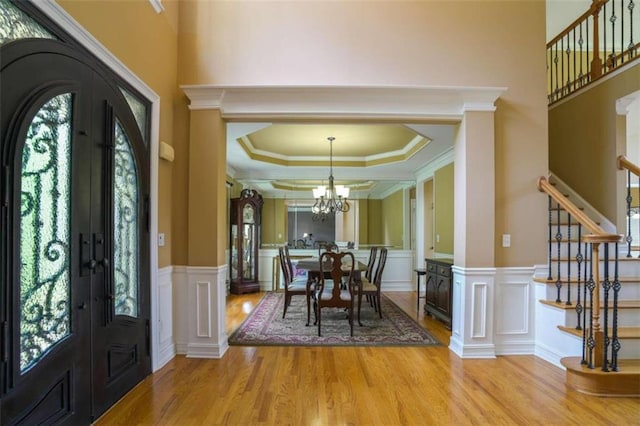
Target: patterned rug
{"points": [[265, 327]]}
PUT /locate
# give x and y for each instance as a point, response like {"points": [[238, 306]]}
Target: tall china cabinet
{"points": [[245, 241]]}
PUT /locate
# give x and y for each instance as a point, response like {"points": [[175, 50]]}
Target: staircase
{"points": [[592, 297]]}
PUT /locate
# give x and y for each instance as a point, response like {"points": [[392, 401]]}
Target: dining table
{"points": [[312, 266]]}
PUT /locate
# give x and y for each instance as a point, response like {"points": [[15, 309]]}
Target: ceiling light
{"points": [[332, 199]]}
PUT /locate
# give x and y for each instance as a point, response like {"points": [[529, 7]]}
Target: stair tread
{"points": [[625, 366], [623, 332], [622, 304]]}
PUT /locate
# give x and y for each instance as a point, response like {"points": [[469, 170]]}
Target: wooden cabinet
{"points": [[245, 241], [439, 289]]}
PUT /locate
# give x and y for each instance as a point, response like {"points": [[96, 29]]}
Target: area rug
{"points": [[265, 326]]}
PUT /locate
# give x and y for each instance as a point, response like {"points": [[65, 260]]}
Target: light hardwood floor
{"points": [[361, 386]]}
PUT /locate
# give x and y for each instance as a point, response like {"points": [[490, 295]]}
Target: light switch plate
{"points": [[506, 240], [161, 239]]}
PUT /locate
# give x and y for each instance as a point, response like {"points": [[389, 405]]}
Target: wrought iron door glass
{"points": [[44, 230], [16, 25], [139, 111], [125, 218]]}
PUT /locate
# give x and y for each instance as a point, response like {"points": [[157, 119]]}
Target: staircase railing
{"points": [[603, 39], [633, 204], [594, 247]]}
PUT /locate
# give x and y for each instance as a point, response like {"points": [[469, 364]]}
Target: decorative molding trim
{"points": [[427, 172], [166, 345], [447, 104], [58, 15], [203, 309], [479, 310]]}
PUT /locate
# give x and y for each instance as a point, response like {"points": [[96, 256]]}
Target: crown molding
{"points": [[344, 102]]}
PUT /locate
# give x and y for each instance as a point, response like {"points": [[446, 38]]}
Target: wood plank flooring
{"points": [[361, 386]]}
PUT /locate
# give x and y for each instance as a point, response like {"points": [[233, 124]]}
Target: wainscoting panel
{"points": [[203, 309], [479, 311], [166, 345], [514, 311]]}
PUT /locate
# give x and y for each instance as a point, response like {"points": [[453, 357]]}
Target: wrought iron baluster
{"points": [[629, 200], [615, 343], [568, 302], [579, 259], [584, 298], [606, 285], [612, 55], [549, 277], [559, 246], [630, 7], [591, 285]]}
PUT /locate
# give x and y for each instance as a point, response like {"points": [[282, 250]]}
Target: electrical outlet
{"points": [[506, 240], [437, 238]]}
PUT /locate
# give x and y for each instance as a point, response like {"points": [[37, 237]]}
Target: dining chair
{"points": [[372, 260], [292, 286], [309, 280], [329, 293], [371, 289], [332, 247]]}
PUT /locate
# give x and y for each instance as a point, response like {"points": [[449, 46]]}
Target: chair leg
{"points": [[351, 318], [359, 306], [319, 319], [379, 305], [287, 301]]}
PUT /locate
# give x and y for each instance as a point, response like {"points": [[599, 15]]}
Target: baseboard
{"points": [[203, 350]]}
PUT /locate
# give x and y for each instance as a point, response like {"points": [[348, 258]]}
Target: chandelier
{"points": [[332, 199]]}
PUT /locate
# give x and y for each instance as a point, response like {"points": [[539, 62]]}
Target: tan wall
{"points": [[393, 220], [363, 221], [484, 43], [274, 217], [443, 195], [429, 239], [374, 225], [147, 43], [582, 141]]}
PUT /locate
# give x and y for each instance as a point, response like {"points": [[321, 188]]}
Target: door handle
{"points": [[91, 264], [105, 263], [83, 305]]}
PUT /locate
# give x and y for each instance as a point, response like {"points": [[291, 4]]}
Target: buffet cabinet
{"points": [[439, 289], [245, 241]]}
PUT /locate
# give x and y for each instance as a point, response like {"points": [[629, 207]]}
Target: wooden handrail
{"points": [[593, 10], [624, 163], [545, 186]]}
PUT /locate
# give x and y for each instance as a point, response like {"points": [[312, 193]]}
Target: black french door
{"points": [[75, 290]]}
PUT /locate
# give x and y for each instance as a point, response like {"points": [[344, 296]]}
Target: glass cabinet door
{"points": [[234, 252], [249, 241]]}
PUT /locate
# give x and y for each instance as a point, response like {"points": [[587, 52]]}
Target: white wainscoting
{"points": [[493, 312], [166, 348], [514, 311], [200, 311]]}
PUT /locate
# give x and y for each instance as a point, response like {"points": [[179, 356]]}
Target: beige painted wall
{"points": [[374, 222], [484, 43], [443, 195], [147, 43], [582, 141], [274, 221], [429, 239], [487, 43], [393, 220]]}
